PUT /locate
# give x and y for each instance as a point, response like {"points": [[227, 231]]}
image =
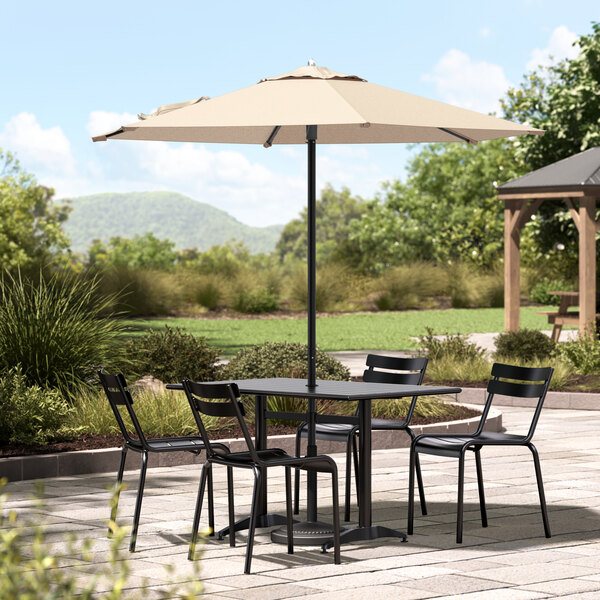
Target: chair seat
{"points": [[191, 444], [270, 454], [451, 446], [387, 424], [330, 431]]}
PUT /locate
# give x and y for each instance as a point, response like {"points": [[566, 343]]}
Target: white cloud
{"points": [[560, 46], [101, 121], [38, 148], [476, 85]]}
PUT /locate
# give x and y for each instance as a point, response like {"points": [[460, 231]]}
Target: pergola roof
{"points": [[580, 172]]}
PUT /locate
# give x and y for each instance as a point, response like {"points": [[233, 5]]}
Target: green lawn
{"points": [[374, 331]]}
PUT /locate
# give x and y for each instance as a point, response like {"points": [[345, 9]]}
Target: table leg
{"points": [[263, 519], [365, 530]]}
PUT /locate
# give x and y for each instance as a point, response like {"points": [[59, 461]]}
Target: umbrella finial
{"points": [[311, 62]]}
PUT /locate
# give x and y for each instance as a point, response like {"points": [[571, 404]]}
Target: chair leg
{"points": [[138, 502], [201, 486], [336, 519], [211, 504], [411, 491], [252, 521], [356, 466], [419, 476], [349, 456], [288, 509], [115, 498], [540, 483], [297, 476], [231, 507], [484, 522], [461, 490]]}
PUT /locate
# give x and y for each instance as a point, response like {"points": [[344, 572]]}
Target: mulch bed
{"points": [[114, 440]]}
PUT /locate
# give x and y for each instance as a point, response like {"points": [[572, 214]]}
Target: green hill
{"points": [[188, 223]]}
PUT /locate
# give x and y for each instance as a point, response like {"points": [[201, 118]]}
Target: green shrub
{"points": [[160, 414], [525, 344], [405, 287], [539, 292], [448, 368], [208, 291], [259, 300], [172, 355], [472, 289], [282, 359], [29, 414], [452, 346], [142, 292], [333, 283], [57, 330], [583, 354]]}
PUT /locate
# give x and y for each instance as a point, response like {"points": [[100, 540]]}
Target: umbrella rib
{"points": [[464, 138], [270, 139]]}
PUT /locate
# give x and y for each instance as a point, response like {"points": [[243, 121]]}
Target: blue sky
{"points": [[74, 69]]}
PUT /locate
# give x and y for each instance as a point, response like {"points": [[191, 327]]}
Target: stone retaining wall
{"points": [[105, 460]]}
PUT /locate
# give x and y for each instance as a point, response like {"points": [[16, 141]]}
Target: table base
{"points": [[268, 520], [362, 534], [307, 533]]}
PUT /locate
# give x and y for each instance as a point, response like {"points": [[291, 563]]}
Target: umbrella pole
{"points": [[311, 140]]}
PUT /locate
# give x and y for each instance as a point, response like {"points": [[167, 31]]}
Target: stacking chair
{"points": [[121, 400], [507, 380], [229, 406], [406, 371]]}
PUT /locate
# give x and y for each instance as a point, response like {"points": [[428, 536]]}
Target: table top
{"points": [[570, 294], [334, 390]]}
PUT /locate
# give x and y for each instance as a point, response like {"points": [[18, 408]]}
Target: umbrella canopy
{"points": [[346, 109], [314, 104]]}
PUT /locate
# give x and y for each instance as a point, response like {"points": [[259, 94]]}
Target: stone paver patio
{"points": [[510, 559]]}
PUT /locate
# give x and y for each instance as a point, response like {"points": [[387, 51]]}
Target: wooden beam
{"points": [[526, 214], [573, 211], [587, 265], [512, 264], [548, 195]]}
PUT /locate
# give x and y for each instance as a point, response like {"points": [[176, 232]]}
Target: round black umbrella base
{"points": [[307, 533]]}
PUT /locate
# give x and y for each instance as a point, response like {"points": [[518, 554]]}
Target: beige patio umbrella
{"points": [[309, 105]]}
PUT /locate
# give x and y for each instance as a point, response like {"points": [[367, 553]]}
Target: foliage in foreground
{"points": [[171, 355], [455, 347], [57, 330], [32, 568], [29, 414]]}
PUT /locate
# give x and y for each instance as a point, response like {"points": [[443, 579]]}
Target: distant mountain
{"points": [[188, 223]]}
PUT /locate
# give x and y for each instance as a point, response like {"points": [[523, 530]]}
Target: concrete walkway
{"points": [[511, 559]]}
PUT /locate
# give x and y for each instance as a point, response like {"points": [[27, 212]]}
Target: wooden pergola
{"points": [[576, 180]]}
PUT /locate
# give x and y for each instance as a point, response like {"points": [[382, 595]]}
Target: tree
{"points": [[140, 252], [30, 224], [447, 210], [562, 99], [335, 212]]}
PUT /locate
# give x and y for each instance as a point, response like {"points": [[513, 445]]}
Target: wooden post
{"points": [[512, 264], [587, 264]]}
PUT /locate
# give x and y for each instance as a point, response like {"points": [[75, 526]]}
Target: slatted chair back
{"points": [[408, 371], [119, 396], [523, 382], [230, 408]]}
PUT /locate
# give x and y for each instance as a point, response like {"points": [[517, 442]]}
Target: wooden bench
{"points": [[562, 316]]}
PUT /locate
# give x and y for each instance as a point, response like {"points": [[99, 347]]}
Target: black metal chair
{"points": [[253, 459], [406, 371], [119, 396], [536, 382]]}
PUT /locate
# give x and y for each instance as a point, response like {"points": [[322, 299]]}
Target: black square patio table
{"points": [[312, 532]]}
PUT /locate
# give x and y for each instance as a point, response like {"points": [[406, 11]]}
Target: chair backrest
{"points": [[406, 370], [118, 396], [523, 382], [231, 407]]}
